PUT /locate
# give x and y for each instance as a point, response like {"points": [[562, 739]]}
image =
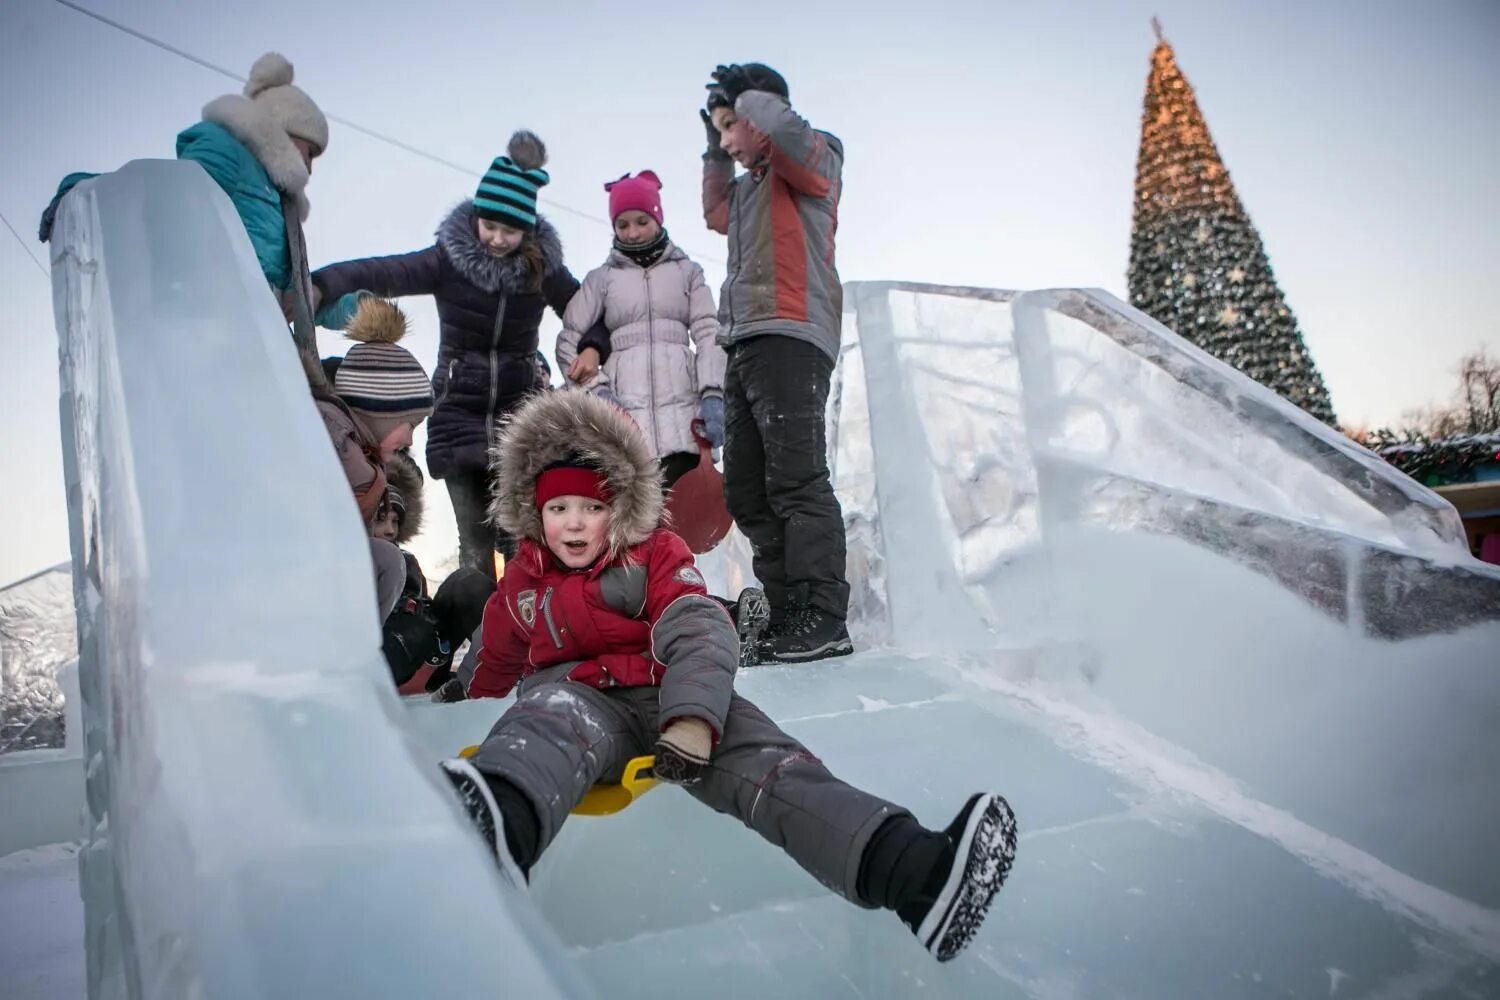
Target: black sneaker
{"points": [[963, 883], [479, 802], [752, 613], [809, 633]]}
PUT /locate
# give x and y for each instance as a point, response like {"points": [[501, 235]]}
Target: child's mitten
{"points": [[711, 412], [682, 751]]}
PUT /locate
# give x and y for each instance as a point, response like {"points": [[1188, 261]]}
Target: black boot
{"points": [[479, 800], [965, 878], [806, 633]]}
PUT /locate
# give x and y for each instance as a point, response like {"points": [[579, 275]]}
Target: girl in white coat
{"points": [[663, 365]]}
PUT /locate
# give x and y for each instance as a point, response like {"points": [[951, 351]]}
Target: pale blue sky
{"points": [[989, 143]]}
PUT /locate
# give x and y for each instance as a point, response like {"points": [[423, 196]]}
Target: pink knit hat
{"points": [[641, 193]]}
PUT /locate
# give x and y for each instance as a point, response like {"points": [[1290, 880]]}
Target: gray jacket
{"points": [[781, 219]]}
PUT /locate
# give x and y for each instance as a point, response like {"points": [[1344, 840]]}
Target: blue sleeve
{"points": [[335, 315]]}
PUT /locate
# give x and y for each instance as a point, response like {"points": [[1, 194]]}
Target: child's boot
{"points": [[963, 882], [479, 802], [752, 613], [806, 633]]}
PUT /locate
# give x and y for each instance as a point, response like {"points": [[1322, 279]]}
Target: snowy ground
{"points": [[41, 949]]}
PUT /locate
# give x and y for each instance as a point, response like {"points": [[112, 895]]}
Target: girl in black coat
{"points": [[494, 267]]}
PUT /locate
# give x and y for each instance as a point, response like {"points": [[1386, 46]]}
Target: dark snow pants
{"points": [[560, 737], [776, 482], [478, 540]]}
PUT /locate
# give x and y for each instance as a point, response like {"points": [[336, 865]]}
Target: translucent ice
{"points": [[1220, 661], [36, 638], [259, 824]]}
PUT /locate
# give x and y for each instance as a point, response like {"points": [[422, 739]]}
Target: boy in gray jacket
{"points": [[779, 317]]}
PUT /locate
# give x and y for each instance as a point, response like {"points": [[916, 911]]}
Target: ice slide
{"points": [[1238, 678]]}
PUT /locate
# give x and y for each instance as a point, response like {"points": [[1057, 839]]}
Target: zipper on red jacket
{"points": [[546, 606]]}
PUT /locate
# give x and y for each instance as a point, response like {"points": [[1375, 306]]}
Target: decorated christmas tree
{"points": [[1196, 261]]}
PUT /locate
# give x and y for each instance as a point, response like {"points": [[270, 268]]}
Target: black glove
{"points": [[729, 83], [715, 148], [733, 80], [451, 691]]}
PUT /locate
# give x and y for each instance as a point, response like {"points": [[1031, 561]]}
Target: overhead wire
{"points": [[27, 247], [347, 123]]}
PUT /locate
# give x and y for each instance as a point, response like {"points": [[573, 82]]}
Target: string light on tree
{"points": [[1197, 263]]}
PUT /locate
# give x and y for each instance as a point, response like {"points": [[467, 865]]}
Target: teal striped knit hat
{"points": [[509, 189]]}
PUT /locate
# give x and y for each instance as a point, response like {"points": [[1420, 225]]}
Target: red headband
{"points": [[571, 481]]}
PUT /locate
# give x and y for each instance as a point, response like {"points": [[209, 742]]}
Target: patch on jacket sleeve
{"points": [[526, 606], [690, 576]]}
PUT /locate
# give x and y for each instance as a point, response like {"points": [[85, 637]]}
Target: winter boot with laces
{"points": [[807, 633]]}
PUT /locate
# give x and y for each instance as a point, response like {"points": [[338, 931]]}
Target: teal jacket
{"points": [[231, 164], [237, 170]]}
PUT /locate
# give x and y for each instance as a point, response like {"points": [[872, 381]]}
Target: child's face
{"points": [[498, 238], [387, 524], [635, 228], [398, 438], [307, 150], [574, 528], [735, 137]]}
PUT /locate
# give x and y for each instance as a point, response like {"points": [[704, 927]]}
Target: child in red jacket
{"points": [[603, 626]]}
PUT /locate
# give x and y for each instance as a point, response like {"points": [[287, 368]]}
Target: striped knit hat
{"points": [[380, 380], [509, 189]]}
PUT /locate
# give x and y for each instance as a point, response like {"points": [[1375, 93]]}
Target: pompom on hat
{"points": [[508, 191], [380, 380], [270, 87]]}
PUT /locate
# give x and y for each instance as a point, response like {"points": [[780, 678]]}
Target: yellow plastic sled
{"points": [[602, 800]]}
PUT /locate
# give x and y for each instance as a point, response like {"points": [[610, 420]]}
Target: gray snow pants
{"points": [[559, 738]]}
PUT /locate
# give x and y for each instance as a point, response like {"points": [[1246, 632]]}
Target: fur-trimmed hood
{"points": [[554, 426], [403, 473], [267, 141], [460, 242]]}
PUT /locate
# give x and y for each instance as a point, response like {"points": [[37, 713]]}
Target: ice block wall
{"points": [[1056, 468], [969, 422], [258, 823]]}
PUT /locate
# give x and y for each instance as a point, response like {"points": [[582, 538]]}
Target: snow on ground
{"points": [[41, 913]]}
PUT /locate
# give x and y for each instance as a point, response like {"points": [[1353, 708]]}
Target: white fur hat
{"points": [[270, 87]]}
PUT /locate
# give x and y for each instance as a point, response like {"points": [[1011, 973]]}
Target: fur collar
{"points": [[545, 431], [267, 142], [402, 472], [460, 242]]}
